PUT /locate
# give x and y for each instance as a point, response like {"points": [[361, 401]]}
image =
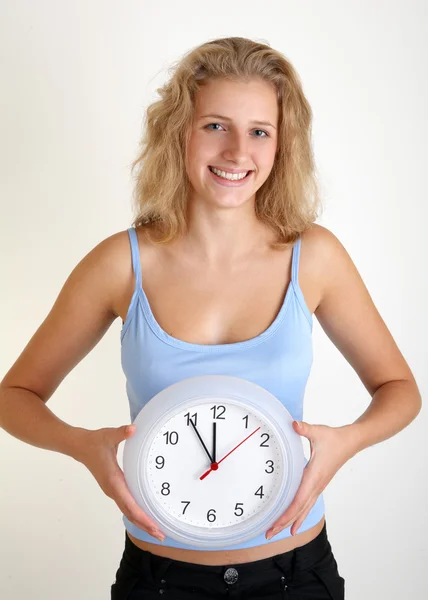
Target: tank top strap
{"points": [[295, 262], [135, 253]]}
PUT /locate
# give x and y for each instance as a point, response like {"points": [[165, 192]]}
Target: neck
{"points": [[226, 236]]}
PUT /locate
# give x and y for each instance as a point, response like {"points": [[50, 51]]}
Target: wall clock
{"points": [[214, 460]]}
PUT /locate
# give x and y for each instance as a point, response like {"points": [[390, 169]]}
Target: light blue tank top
{"points": [[279, 359]]}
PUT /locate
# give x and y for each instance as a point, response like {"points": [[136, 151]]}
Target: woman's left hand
{"points": [[331, 448]]}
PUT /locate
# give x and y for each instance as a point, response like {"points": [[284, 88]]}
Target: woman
{"points": [[221, 273]]}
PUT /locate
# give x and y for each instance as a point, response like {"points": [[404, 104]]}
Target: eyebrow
{"points": [[222, 117]]}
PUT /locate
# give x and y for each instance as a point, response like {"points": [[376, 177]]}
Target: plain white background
{"points": [[76, 78]]}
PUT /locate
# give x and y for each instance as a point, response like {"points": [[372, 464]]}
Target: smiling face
{"points": [[234, 130]]}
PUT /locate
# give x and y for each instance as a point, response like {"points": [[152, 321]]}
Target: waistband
{"points": [[302, 557]]}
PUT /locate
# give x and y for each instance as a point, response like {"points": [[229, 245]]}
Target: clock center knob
{"points": [[214, 466]]}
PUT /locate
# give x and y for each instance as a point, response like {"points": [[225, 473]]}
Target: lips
{"points": [[226, 182], [228, 171]]}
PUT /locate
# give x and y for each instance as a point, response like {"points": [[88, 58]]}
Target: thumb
{"points": [[302, 428], [126, 431], [117, 435]]}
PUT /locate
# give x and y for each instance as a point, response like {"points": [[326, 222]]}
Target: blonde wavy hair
{"points": [[288, 202]]}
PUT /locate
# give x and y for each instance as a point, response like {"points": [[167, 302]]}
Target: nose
{"points": [[236, 148]]}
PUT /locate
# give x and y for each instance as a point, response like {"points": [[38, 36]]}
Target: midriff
{"points": [[229, 557]]}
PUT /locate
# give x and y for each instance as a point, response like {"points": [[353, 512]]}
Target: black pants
{"points": [[305, 573]]}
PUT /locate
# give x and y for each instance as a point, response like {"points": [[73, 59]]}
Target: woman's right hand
{"points": [[99, 455]]}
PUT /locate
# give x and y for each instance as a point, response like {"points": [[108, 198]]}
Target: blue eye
{"points": [[262, 130]]}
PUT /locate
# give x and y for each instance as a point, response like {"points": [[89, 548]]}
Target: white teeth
{"points": [[230, 176]]}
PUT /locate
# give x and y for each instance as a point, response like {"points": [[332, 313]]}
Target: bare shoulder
{"points": [[80, 316], [320, 248], [113, 257], [114, 260], [117, 262], [347, 313], [320, 243], [110, 267], [323, 252]]}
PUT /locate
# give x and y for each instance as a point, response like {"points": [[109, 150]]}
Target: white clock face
{"points": [[250, 467]]}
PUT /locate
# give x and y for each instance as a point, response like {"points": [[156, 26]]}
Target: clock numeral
{"points": [[160, 462], [211, 513], [186, 502], [246, 421], [219, 408], [264, 444], [195, 419], [165, 491], [171, 437], [259, 492], [271, 465], [237, 507]]}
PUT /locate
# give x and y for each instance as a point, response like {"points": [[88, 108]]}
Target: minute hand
{"points": [[233, 450], [202, 441]]}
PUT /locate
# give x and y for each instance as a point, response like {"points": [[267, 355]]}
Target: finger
{"points": [[133, 512], [296, 526], [310, 502], [298, 504], [123, 497], [282, 523], [304, 511]]}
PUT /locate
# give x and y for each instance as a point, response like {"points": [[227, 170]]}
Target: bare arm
{"points": [[81, 315], [77, 321], [25, 416], [350, 319]]}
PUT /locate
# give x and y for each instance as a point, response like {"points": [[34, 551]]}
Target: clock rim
{"points": [[214, 533], [239, 532]]}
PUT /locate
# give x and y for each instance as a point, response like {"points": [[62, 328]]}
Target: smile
{"points": [[229, 176], [229, 182]]}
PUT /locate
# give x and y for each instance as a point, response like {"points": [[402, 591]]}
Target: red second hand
{"points": [[214, 466]]}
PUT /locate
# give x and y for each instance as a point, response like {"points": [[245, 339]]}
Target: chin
{"points": [[231, 202]]}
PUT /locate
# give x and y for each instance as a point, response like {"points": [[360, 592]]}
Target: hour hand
{"points": [[214, 441], [202, 441]]}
